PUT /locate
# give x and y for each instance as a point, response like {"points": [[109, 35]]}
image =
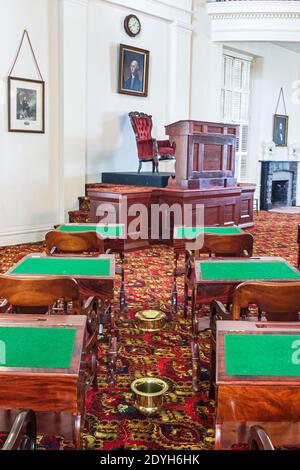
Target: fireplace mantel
{"points": [[268, 175]]}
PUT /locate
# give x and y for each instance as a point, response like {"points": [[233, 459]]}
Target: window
{"points": [[235, 104]]}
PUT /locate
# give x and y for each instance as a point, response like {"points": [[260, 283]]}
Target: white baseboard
{"points": [[18, 236]]}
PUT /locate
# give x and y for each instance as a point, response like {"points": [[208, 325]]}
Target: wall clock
{"points": [[132, 25]]}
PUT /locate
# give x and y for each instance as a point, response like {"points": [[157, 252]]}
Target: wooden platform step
{"points": [[79, 216], [84, 203]]}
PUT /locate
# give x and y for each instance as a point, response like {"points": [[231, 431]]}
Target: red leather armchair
{"points": [[149, 149]]}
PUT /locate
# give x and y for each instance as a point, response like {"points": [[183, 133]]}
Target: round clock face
{"points": [[132, 25]]}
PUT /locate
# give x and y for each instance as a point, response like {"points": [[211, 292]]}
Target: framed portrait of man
{"points": [[26, 105], [280, 136], [133, 71]]}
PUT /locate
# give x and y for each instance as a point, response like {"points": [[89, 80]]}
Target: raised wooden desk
{"points": [[216, 279], [42, 365], [183, 236], [95, 277], [258, 381]]}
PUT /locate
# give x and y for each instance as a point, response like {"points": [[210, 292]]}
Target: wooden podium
{"points": [[205, 154]]}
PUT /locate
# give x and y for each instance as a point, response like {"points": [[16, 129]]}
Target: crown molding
{"points": [[159, 8], [78, 2], [255, 15], [253, 20]]}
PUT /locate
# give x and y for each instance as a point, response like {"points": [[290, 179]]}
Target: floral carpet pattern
{"points": [[187, 419]]}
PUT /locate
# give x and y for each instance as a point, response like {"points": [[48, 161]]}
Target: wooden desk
{"points": [[258, 380], [298, 241], [95, 277], [183, 236], [41, 365], [216, 279], [115, 240]]}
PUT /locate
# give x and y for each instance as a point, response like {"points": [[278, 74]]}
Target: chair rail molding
{"points": [[254, 20], [28, 234]]}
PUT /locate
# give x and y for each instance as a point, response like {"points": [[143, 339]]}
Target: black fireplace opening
{"points": [[278, 184], [280, 193]]}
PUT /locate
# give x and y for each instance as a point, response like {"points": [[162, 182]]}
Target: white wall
{"points": [[110, 139], [274, 67], [206, 69], [29, 173], [87, 128]]}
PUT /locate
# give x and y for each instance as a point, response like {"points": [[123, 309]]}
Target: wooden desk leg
{"points": [[122, 287], [112, 359], [94, 361], [218, 436], [194, 313], [174, 290], [186, 288], [195, 366], [77, 431]]}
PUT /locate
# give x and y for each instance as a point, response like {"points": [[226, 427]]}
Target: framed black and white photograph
{"points": [[133, 71], [26, 105], [281, 124]]}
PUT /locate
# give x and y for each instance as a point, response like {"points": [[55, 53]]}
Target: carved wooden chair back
{"points": [[32, 294], [240, 244], [77, 242], [280, 301]]}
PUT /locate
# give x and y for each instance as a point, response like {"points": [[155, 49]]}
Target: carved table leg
{"points": [[218, 436], [77, 431], [194, 313], [186, 299], [94, 361], [122, 286], [112, 359], [195, 366], [174, 290]]}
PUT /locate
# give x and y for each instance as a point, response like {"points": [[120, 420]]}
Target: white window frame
{"points": [[241, 155]]}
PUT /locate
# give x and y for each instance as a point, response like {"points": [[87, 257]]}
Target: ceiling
{"points": [[292, 46]]}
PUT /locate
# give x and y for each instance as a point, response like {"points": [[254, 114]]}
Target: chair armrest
{"points": [[218, 312], [189, 263], [259, 439], [4, 306], [23, 432], [219, 309], [166, 143], [90, 310]]}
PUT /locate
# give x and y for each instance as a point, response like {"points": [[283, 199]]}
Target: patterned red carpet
{"points": [[187, 419]]}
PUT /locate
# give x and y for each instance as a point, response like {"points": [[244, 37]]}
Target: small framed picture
{"points": [[133, 71], [26, 105], [281, 124]]}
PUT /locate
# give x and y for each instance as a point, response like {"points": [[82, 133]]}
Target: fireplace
{"points": [[280, 191], [278, 184]]}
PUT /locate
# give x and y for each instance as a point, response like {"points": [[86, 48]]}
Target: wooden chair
{"points": [[149, 149], [277, 301], [23, 432], [58, 242], [259, 439], [52, 294], [216, 245]]}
